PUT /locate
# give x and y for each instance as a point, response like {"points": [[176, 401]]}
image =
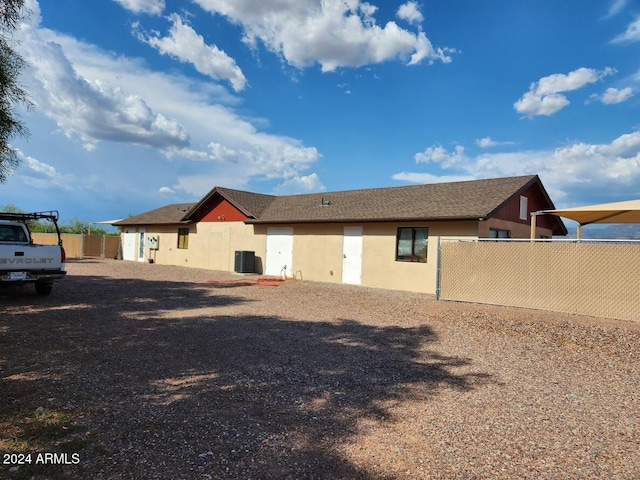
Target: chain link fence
{"points": [[598, 278]]}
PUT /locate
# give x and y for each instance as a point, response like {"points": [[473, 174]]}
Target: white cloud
{"points": [[572, 171], [187, 46], [614, 95], [417, 177], [266, 156], [616, 7], [39, 167], [94, 96], [333, 33], [488, 142], [154, 7], [198, 185], [485, 142], [545, 96], [439, 155], [37, 174], [187, 154], [300, 184], [531, 104], [631, 34], [165, 190], [34, 17], [91, 110], [410, 12]]}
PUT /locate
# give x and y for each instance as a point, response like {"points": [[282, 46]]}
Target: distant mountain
{"points": [[611, 232]]}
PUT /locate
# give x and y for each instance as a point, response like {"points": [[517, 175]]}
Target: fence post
{"points": [[438, 268]]}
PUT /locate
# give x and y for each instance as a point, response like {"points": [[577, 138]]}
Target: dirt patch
{"points": [[147, 371]]}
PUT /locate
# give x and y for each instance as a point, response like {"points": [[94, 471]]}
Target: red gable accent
{"points": [[536, 202], [222, 211]]}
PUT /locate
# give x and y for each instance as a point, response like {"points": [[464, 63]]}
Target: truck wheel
{"points": [[43, 288]]}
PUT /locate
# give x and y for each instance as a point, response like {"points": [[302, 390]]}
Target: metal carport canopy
{"points": [[617, 212]]}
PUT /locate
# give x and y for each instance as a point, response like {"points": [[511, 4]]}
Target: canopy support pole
{"points": [[533, 225]]}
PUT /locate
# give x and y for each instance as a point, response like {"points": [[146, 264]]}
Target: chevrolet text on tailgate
{"points": [[21, 260]]}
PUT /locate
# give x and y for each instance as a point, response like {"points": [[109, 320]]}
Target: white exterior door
{"points": [[141, 245], [279, 252], [352, 255], [129, 244]]}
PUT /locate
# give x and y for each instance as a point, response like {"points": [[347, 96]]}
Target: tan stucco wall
{"points": [[211, 245], [380, 268], [317, 250], [317, 253], [214, 244]]}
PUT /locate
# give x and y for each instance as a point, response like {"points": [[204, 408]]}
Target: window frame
{"points": [[414, 256], [183, 238], [498, 231], [524, 208]]}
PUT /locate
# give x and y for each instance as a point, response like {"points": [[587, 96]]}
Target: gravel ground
{"points": [[144, 371]]}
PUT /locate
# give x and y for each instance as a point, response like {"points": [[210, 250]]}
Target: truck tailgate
{"points": [[26, 262]]}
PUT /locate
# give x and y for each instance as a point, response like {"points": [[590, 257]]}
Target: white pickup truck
{"points": [[21, 260]]}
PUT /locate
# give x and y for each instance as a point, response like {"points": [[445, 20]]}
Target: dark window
{"points": [[498, 233], [183, 238], [411, 244], [12, 233]]}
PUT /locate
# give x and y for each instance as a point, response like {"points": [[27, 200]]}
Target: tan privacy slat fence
{"points": [[82, 246], [600, 279]]}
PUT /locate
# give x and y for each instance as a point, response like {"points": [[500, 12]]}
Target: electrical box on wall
{"points": [[153, 242]]}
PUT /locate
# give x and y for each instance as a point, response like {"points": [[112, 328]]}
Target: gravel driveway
{"points": [[142, 371]]}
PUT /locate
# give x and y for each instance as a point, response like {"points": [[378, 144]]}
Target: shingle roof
{"points": [[472, 199], [467, 200], [169, 214]]}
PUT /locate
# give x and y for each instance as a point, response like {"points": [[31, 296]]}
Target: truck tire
{"points": [[43, 288]]}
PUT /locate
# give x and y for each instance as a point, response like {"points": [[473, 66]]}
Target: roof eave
{"points": [[151, 224], [363, 220]]}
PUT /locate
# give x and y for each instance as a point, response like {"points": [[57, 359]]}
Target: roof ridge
{"points": [[467, 199], [474, 180]]}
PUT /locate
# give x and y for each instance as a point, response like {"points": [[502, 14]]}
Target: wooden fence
{"points": [[82, 246]]}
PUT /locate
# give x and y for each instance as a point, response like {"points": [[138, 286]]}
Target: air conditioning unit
{"points": [[245, 261]]}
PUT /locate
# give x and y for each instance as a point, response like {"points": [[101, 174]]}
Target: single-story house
{"points": [[378, 237]]}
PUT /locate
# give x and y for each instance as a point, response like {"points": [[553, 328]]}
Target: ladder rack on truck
{"points": [[21, 260]]}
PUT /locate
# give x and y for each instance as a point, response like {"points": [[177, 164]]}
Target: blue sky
{"points": [[143, 103]]}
